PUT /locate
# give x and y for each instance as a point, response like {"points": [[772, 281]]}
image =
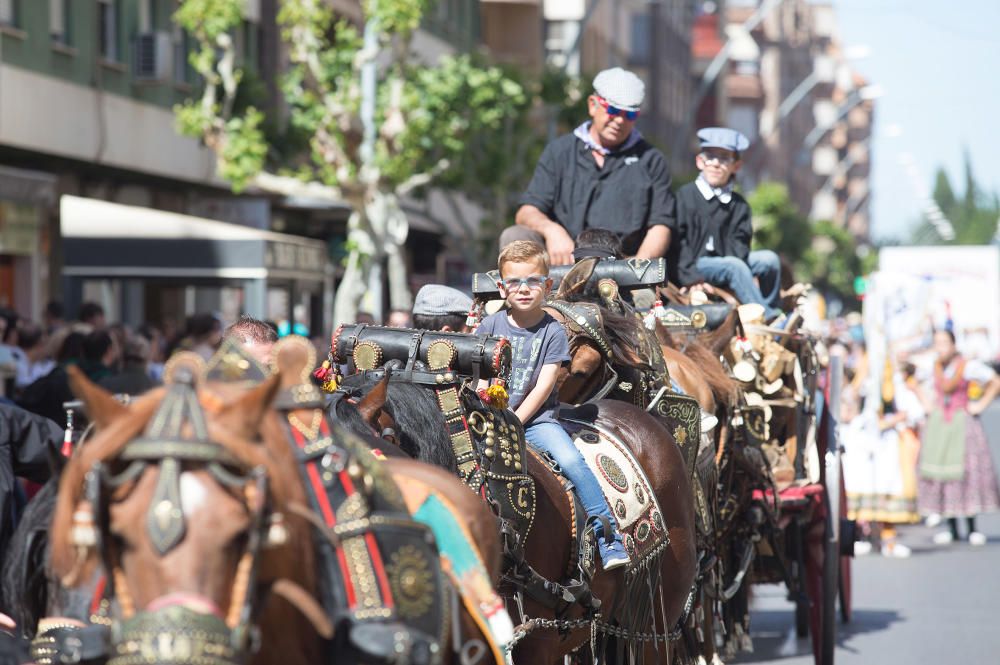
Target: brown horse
{"points": [[229, 568], [550, 544]]}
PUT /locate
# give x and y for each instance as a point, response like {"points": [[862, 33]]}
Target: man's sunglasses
{"points": [[614, 110], [514, 284]]}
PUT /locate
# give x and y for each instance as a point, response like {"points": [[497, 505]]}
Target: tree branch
{"points": [[289, 186], [420, 179]]}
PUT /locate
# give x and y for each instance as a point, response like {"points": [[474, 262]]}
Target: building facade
{"points": [[788, 85], [87, 91]]}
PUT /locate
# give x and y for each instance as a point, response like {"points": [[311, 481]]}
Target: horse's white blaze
{"points": [[193, 493]]}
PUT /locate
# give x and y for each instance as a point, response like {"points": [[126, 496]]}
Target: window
{"points": [[8, 13], [182, 47], [60, 21], [109, 13], [641, 45]]}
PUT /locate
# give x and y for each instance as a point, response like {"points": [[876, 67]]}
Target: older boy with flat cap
{"points": [[711, 236], [603, 175]]}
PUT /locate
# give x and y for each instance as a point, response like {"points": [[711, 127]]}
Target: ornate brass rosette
{"points": [[367, 355], [698, 319], [411, 581], [441, 354]]}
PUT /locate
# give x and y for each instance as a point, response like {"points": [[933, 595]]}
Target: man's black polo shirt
{"points": [[628, 195]]}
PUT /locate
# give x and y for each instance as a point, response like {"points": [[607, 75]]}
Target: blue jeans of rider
{"points": [[553, 439], [737, 275]]}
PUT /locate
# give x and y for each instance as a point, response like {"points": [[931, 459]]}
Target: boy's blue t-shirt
{"points": [[545, 343]]}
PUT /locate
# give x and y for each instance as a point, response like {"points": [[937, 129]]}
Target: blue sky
{"points": [[939, 63]]}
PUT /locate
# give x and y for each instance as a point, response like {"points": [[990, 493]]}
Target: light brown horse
{"points": [[213, 578]]}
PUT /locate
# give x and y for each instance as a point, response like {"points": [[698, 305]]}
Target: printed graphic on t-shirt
{"points": [[523, 361]]}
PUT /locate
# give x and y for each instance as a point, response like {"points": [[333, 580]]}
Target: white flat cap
{"points": [[620, 88]]}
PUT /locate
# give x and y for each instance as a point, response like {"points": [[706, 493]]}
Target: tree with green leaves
{"points": [[820, 252], [378, 123], [974, 215]]}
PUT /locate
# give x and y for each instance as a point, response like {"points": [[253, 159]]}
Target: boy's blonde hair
{"points": [[522, 251]]}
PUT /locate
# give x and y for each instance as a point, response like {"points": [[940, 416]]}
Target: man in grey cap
{"points": [[603, 175], [442, 308]]}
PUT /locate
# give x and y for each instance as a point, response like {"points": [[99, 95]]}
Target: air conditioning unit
{"points": [[152, 53]]}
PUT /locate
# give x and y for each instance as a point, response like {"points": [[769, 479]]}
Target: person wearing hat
{"points": [[441, 308], [710, 238], [603, 175]]}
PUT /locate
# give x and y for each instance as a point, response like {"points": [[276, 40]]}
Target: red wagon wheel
{"points": [[846, 556]]}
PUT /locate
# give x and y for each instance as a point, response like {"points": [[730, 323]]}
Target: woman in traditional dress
{"points": [[957, 477], [878, 466]]}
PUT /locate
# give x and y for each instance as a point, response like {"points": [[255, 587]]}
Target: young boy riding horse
{"points": [[539, 348]]}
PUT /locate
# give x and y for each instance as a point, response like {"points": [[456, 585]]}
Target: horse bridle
{"points": [[208, 636], [584, 320]]}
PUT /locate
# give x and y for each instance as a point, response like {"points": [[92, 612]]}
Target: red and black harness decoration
{"points": [[383, 580]]}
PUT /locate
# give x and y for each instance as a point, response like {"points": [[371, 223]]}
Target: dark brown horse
{"points": [[550, 544]]}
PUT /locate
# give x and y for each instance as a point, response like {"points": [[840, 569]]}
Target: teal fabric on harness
{"points": [[450, 537]]}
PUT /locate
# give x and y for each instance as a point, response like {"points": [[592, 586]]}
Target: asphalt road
{"points": [[939, 606]]}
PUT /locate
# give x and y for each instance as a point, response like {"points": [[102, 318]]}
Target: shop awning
{"points": [[111, 240]]}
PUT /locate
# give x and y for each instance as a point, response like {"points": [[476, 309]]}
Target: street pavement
{"points": [[939, 606]]}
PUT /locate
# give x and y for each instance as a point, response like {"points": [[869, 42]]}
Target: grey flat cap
{"points": [[437, 299], [723, 137], [620, 88]]}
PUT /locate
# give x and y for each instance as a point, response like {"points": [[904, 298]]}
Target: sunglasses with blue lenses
{"points": [[614, 110]]}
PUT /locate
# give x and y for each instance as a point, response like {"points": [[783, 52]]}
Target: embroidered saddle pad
{"points": [[625, 486]]}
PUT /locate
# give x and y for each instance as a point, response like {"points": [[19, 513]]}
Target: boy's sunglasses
{"points": [[614, 110], [724, 160], [533, 282]]}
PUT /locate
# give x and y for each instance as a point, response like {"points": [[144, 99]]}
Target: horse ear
{"points": [[248, 410], [577, 277], [370, 406], [102, 408]]}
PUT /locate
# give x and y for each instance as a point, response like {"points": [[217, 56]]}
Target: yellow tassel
{"points": [[497, 396]]}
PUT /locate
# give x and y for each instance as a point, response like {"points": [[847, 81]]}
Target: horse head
{"points": [[187, 500]]}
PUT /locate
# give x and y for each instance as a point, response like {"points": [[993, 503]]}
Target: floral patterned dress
{"points": [[975, 490]]}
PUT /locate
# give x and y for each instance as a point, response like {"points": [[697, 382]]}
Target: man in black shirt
{"points": [[603, 175], [711, 236]]}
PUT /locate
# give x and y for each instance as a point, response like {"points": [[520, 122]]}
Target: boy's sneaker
{"points": [[977, 539], [862, 548], [613, 555]]}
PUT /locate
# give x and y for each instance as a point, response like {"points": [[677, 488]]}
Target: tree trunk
{"points": [[377, 231]]}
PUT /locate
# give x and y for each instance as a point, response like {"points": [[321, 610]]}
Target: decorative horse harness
{"points": [[488, 442], [382, 582]]}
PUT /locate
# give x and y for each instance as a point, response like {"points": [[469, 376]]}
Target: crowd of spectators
{"points": [[125, 360]]}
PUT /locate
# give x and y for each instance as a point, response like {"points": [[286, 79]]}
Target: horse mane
{"points": [[624, 331], [723, 387], [420, 428]]}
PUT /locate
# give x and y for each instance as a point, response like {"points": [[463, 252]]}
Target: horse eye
{"points": [[579, 373]]}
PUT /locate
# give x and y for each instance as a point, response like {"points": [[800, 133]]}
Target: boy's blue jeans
{"points": [[554, 440], [737, 275]]}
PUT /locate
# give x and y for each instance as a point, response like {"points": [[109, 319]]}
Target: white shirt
{"points": [[725, 194]]}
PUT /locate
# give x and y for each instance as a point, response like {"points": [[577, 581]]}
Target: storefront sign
{"points": [[18, 228], [295, 256]]}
